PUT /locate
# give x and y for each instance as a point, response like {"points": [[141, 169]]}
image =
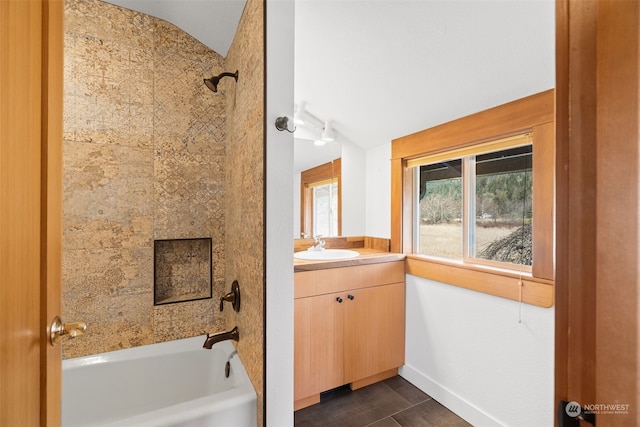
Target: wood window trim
{"points": [[324, 172], [534, 114]]}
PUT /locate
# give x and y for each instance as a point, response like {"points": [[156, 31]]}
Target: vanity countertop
{"points": [[367, 256]]}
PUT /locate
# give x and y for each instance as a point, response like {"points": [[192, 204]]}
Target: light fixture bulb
{"points": [[319, 142], [297, 117], [327, 133]]}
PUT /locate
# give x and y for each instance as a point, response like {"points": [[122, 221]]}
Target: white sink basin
{"points": [[326, 255]]}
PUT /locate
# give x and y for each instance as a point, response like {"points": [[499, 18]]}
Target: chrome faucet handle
{"points": [[317, 243]]}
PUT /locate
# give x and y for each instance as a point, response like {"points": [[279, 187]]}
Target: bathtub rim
{"points": [[181, 345], [242, 393]]}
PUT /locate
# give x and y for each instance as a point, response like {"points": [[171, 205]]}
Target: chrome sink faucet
{"points": [[318, 245], [221, 336]]}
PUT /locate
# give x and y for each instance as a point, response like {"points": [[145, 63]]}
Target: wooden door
{"points": [[30, 215], [318, 346], [374, 331], [598, 240]]}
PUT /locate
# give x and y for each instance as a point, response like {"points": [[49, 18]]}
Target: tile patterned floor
{"points": [[391, 403]]}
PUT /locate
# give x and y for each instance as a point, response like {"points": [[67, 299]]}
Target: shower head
{"points": [[212, 83]]}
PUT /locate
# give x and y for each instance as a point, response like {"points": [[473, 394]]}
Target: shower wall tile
{"points": [[189, 195], [187, 319], [108, 99], [105, 21], [171, 39], [107, 195], [144, 159], [108, 289], [244, 207], [201, 118]]}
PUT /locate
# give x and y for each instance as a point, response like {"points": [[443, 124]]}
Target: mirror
{"points": [[352, 187], [321, 201]]}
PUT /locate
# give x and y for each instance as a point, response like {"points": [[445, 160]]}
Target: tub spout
{"points": [[221, 336]]}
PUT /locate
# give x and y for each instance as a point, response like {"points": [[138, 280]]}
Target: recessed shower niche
{"points": [[182, 270]]}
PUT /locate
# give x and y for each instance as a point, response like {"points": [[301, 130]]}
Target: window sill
{"points": [[489, 280]]}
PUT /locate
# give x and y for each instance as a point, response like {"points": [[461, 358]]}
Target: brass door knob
{"points": [[60, 330]]}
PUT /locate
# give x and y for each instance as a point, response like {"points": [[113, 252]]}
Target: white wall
{"points": [[469, 352], [378, 192], [466, 349], [279, 216], [353, 194], [297, 178]]}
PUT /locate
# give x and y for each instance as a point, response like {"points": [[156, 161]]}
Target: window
{"points": [[320, 202], [325, 208], [438, 228], [477, 208], [473, 201]]}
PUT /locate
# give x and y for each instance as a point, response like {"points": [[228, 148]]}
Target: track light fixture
{"points": [[327, 132], [306, 121], [298, 117]]}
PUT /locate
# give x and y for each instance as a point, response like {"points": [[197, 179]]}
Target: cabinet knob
{"points": [[351, 297], [339, 299]]}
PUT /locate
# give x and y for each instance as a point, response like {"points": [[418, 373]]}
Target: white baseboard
{"points": [[447, 398]]}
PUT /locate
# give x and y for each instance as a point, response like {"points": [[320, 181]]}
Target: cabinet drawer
{"points": [[319, 282]]}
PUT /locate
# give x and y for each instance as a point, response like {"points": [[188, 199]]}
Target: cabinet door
{"points": [[318, 344], [374, 331]]}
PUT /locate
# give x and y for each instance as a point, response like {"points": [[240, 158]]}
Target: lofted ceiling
{"points": [[382, 69]]}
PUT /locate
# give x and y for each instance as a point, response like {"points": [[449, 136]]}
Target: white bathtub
{"points": [[177, 383]]}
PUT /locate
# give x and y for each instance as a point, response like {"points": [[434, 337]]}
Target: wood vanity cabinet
{"points": [[348, 328]]}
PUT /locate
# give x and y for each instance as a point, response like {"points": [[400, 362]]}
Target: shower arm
{"points": [[212, 83], [227, 74]]}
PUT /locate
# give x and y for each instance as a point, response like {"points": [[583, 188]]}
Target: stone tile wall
{"points": [[244, 210], [144, 159]]}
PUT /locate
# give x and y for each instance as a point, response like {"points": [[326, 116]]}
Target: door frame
{"points": [[598, 171], [51, 240], [31, 85]]}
